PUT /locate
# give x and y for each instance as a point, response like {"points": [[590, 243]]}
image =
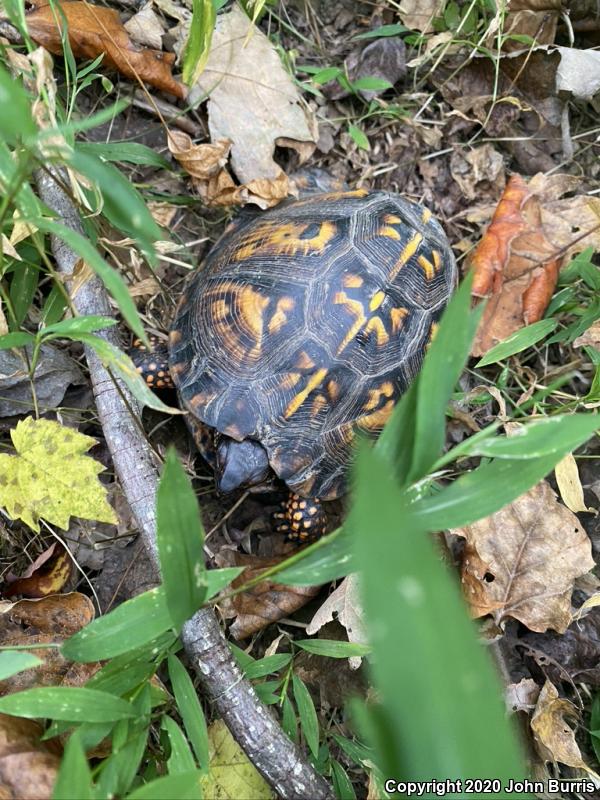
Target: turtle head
{"points": [[240, 464]]}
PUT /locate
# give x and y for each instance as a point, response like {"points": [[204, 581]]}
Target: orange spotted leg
{"points": [[302, 519], [152, 364]]}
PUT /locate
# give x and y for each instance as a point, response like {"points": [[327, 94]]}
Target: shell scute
{"points": [[308, 323]]}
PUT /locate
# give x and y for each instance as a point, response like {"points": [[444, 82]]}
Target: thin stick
{"points": [[252, 724]]}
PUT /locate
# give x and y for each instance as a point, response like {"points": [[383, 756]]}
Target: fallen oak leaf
{"points": [[264, 603], [521, 562], [95, 30], [46, 576], [50, 476]]}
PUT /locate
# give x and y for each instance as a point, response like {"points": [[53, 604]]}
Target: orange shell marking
{"points": [[275, 240]]}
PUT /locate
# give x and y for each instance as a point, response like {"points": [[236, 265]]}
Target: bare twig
{"points": [[251, 723], [169, 113]]}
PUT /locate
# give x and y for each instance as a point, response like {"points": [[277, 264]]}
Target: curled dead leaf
{"points": [[47, 575], [521, 562], [264, 603], [553, 736], [515, 266], [207, 165], [569, 484], [95, 30]]}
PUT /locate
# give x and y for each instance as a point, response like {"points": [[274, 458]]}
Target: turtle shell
{"points": [[306, 324]]}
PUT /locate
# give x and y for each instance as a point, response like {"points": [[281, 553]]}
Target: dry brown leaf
{"points": [[516, 266], [253, 102], [521, 562], [207, 164], [47, 575], [264, 603], [95, 30], [590, 338], [344, 602], [41, 622], [479, 172], [419, 14], [521, 696], [146, 27], [28, 766], [569, 484], [534, 18], [553, 736]]}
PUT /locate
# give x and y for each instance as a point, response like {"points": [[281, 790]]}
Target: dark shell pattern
{"points": [[307, 323]]}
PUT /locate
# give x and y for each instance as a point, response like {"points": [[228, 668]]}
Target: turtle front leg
{"points": [[153, 363], [302, 519]]}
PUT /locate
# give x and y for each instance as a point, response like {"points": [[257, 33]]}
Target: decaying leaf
{"points": [[521, 696], [252, 101], [28, 766], [54, 372], [230, 773], [264, 603], [50, 476], [146, 27], [553, 736], [383, 59], [46, 576], [479, 172], [344, 602], [517, 261], [207, 164], [578, 72], [534, 18], [521, 562], [590, 337], [42, 622], [419, 14], [95, 30], [569, 484]]}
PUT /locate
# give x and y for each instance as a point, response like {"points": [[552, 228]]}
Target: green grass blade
{"points": [[74, 779], [190, 709], [131, 625], [185, 786], [70, 703], [523, 338], [15, 661], [180, 539], [308, 716], [441, 370], [181, 759], [197, 47], [440, 697]]}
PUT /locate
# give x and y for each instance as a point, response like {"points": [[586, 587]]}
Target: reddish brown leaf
{"points": [[42, 622], [515, 266], [94, 30], [47, 575], [264, 603]]}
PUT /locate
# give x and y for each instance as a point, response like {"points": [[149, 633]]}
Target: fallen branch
{"points": [[249, 720]]}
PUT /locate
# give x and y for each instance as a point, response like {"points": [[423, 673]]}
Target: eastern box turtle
{"points": [[305, 324]]}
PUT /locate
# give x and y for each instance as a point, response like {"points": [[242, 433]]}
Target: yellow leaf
{"points": [[230, 774], [569, 484], [50, 476]]}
